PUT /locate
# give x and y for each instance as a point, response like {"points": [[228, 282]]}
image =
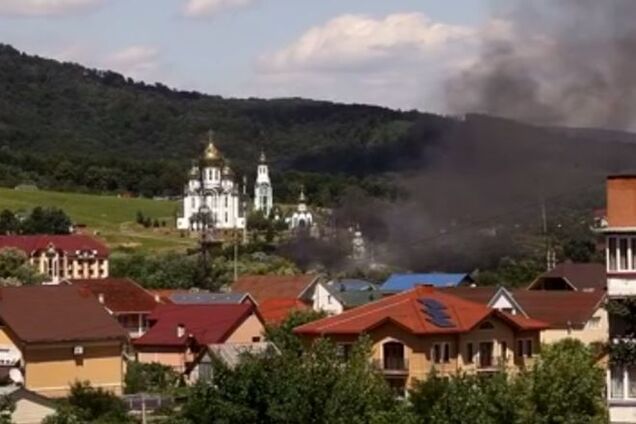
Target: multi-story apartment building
{"points": [[620, 252]]}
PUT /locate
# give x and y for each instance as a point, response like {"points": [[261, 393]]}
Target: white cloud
{"points": [[45, 7], [137, 61], [393, 60], [199, 8]]}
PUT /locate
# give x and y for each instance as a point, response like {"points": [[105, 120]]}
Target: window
{"points": [[441, 353], [470, 354], [622, 252], [528, 348], [617, 388], [487, 326], [504, 352], [524, 348], [256, 339], [594, 323], [393, 354], [329, 299], [611, 254], [343, 350], [631, 382], [485, 354]]}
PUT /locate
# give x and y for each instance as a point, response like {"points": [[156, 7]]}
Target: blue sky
{"points": [[389, 52]]}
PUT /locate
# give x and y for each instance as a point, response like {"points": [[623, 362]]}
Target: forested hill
{"points": [[65, 126]]}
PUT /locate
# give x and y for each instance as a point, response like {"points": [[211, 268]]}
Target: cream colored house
{"points": [[61, 335], [579, 315], [62, 256], [424, 329]]}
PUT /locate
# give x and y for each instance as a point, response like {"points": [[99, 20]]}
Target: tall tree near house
{"points": [[9, 224], [15, 269], [566, 386]]}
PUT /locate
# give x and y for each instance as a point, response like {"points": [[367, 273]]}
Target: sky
{"points": [[394, 53]]}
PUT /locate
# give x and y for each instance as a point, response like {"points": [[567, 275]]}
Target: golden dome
{"points": [[211, 152]]}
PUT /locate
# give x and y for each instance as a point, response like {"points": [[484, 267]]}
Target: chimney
{"points": [[157, 298], [100, 297], [180, 330]]}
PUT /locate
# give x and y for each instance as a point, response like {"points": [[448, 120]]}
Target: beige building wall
{"points": [[595, 330], [51, 369], [418, 349], [172, 357], [249, 329]]}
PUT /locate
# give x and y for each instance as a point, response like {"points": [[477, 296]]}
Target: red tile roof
{"points": [[206, 323], [263, 287], [68, 243], [405, 310], [560, 309], [276, 310], [37, 314], [582, 276], [121, 295]]}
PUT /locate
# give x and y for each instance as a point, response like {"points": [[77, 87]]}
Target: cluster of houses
{"points": [[86, 325]]}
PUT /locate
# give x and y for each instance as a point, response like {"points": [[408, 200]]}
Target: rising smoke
{"points": [[555, 62]]}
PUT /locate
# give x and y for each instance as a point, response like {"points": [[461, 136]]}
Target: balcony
{"points": [[392, 366], [621, 285]]}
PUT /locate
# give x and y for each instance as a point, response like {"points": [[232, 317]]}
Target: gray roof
{"points": [[204, 298], [353, 292], [230, 353]]}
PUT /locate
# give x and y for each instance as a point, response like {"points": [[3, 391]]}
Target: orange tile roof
{"points": [[263, 287], [405, 310], [275, 310]]}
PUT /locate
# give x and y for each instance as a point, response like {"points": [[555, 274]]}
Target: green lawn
{"points": [[112, 218]]}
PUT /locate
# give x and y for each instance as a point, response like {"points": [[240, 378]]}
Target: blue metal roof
{"points": [[401, 282]]}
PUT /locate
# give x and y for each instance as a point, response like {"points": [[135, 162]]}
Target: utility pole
{"points": [[550, 254]]}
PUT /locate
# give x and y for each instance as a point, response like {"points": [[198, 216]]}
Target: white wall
{"points": [[324, 301]]}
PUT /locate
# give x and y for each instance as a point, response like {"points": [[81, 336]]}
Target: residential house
{"points": [[123, 298], [202, 367], [63, 335], [401, 282], [278, 295], [422, 329], [178, 332], [30, 407], [570, 314], [572, 276], [274, 311], [620, 253], [62, 256], [333, 297], [263, 287]]}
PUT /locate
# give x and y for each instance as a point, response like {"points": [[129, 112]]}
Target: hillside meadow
{"points": [[111, 218]]}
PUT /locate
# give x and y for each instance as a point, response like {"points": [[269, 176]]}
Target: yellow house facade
{"points": [[409, 343], [70, 340]]}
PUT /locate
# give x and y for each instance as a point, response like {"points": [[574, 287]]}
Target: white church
{"points": [[220, 200]]}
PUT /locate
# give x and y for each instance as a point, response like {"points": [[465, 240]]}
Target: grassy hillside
{"points": [[112, 218]]}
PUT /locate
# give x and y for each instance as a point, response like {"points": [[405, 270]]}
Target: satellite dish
{"points": [[16, 376]]}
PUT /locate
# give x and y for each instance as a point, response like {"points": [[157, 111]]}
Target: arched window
{"points": [[393, 356], [487, 326]]}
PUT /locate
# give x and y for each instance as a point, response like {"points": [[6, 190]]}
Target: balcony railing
{"points": [[393, 366]]}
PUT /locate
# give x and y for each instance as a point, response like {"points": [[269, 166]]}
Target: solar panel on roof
{"points": [[441, 323], [432, 303], [436, 312]]}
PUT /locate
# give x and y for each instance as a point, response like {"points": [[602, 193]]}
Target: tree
{"points": [[90, 405], [315, 387], [7, 407], [46, 221], [282, 334], [566, 386], [9, 224], [16, 270], [150, 378]]}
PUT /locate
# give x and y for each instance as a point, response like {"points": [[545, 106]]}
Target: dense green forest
{"points": [[64, 126]]}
